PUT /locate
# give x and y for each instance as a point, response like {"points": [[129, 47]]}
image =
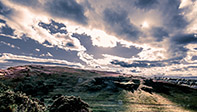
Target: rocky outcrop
{"points": [[147, 89], [69, 104], [113, 84]]}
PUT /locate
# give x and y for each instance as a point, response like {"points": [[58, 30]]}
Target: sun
{"points": [[145, 24]]}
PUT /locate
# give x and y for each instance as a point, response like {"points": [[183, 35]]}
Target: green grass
{"points": [[67, 84], [185, 100], [183, 96]]}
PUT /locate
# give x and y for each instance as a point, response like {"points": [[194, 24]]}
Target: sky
{"points": [[140, 37]]}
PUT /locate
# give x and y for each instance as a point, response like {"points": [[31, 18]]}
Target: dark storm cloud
{"points": [[159, 33], [4, 10], [135, 71], [54, 27], [184, 39], [68, 9], [177, 50], [184, 68], [178, 21], [6, 30], [178, 43], [172, 20], [172, 17], [86, 4], [34, 3], [97, 52], [2, 21], [145, 63], [146, 4], [177, 69], [70, 44], [119, 22], [194, 58], [192, 67], [47, 43]]}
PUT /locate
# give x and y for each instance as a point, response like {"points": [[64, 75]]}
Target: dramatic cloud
{"points": [[146, 37], [5, 29], [146, 4], [185, 39], [4, 10], [146, 64], [173, 15], [54, 27], [159, 33], [68, 9], [97, 52], [120, 23]]}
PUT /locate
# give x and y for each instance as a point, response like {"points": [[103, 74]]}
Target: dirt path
{"points": [[150, 103]]}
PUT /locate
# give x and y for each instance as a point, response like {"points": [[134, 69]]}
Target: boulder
{"points": [[69, 104]]}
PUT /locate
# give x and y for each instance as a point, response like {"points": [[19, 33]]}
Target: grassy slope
{"points": [[46, 82], [184, 97]]}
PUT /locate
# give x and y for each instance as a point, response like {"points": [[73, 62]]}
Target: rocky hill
{"points": [[62, 89]]}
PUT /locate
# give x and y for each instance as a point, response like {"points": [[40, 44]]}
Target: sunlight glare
{"points": [[145, 24]]}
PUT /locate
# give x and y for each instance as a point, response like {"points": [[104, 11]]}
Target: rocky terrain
{"points": [[61, 89]]}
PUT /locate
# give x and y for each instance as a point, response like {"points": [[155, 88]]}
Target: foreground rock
{"points": [[69, 104]]}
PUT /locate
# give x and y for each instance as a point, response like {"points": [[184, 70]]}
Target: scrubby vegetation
{"points": [[11, 101], [18, 102]]}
